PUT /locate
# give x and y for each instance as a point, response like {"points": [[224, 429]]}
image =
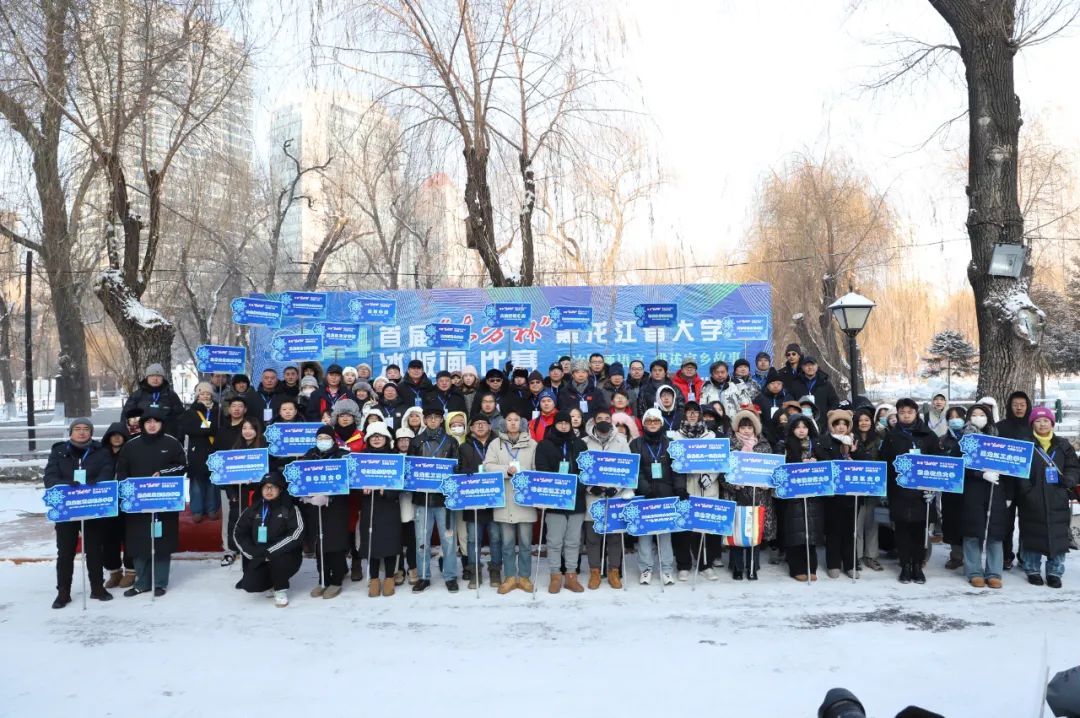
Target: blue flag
{"points": [[219, 359], [485, 490], [425, 475], [705, 515], [645, 517], [150, 494], [607, 516], [692, 456], [860, 478], [930, 473], [378, 471], [76, 502], [545, 489], [609, 468], [241, 466], [318, 476], [749, 468], [802, 481], [1011, 457]]}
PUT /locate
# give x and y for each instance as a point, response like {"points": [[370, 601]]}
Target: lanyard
{"points": [[71, 448], [513, 452], [266, 399], [442, 401], [155, 396], [1049, 459], [439, 447], [654, 454], [565, 453], [265, 511], [480, 449]]}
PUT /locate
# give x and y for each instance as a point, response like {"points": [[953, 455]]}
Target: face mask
{"points": [[807, 411], [457, 430], [883, 422], [957, 424], [603, 427], [307, 391], [324, 444], [710, 424], [978, 421]]}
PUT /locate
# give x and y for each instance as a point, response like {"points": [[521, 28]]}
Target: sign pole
{"points": [[986, 532], [806, 526], [622, 543], [427, 537], [855, 545], [153, 556], [539, 549], [322, 556], [476, 568], [370, 530], [603, 541], [753, 527], [660, 562], [697, 562], [926, 530], [82, 533]]}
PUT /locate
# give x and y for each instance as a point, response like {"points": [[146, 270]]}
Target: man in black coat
{"points": [[320, 405], [154, 392], [473, 456], [581, 393], [67, 464], [811, 380], [414, 387], [1014, 426], [789, 371], [448, 395], [558, 453], [656, 479]]}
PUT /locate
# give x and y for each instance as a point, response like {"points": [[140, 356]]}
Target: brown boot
{"points": [[573, 584], [978, 582], [555, 584], [613, 578], [115, 577], [128, 580], [525, 584], [374, 588], [594, 579], [508, 585], [388, 586]]}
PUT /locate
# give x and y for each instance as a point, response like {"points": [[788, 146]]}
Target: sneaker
{"points": [[954, 563], [1035, 579], [710, 575], [100, 594], [421, 585], [646, 577], [62, 599], [452, 586], [228, 559], [669, 580], [281, 599], [133, 592], [718, 562], [853, 574], [684, 575], [317, 592], [833, 573], [1007, 564], [268, 593], [159, 592], [872, 563], [1053, 581]]}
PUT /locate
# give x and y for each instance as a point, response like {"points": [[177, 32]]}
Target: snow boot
{"points": [[452, 586], [388, 586], [993, 582], [525, 584], [317, 592], [63, 598], [613, 578], [1035, 579], [555, 583], [159, 592], [594, 579], [494, 576], [905, 572], [833, 573], [332, 592], [1053, 581], [421, 585], [357, 572], [978, 582], [374, 588], [128, 580], [281, 599], [100, 594], [399, 578], [573, 584], [472, 582], [917, 574], [412, 577], [872, 563], [508, 585], [114, 578]]}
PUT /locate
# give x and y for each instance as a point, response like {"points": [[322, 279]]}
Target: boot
{"points": [[594, 579], [573, 584], [332, 592], [388, 586], [917, 574], [99, 593], [508, 585], [554, 585], [114, 578], [63, 598], [128, 580], [412, 577], [317, 592], [374, 588], [613, 578], [978, 582], [357, 572], [905, 572], [474, 580], [399, 578], [525, 584], [494, 577]]}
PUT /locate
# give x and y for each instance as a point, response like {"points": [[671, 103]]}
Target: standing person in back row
{"points": [[1014, 426], [814, 382], [789, 371], [154, 392]]}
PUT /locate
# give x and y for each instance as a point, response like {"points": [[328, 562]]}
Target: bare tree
{"points": [[287, 196]]}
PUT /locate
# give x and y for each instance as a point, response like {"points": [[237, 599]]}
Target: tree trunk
{"points": [[6, 380], [528, 204], [1008, 320], [480, 227], [147, 335]]}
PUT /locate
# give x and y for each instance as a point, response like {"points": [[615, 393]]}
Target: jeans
{"points": [[522, 534], [205, 498], [973, 558], [426, 519], [564, 540], [494, 543], [647, 553], [161, 571], [1055, 565], [866, 537]]}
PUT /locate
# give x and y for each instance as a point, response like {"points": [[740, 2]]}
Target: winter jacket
{"points": [[739, 393], [769, 406], [65, 458], [496, 420], [633, 390], [473, 460], [673, 415], [842, 507], [749, 495], [978, 495], [284, 528], [554, 449], [433, 444], [163, 398], [409, 410], [690, 389], [393, 412], [646, 398], [250, 398], [413, 393], [591, 398], [226, 434], [145, 455], [906, 504], [538, 427], [101, 465], [1012, 427], [450, 400], [386, 526], [936, 421], [613, 442], [199, 439], [322, 401], [1044, 508], [789, 374], [693, 481], [804, 515], [335, 515], [712, 392], [610, 391], [820, 387], [653, 449], [500, 454]]}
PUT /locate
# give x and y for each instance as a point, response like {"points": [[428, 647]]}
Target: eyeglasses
{"points": [[793, 354]]}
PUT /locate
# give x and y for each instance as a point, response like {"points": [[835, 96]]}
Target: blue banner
{"points": [[749, 468], [545, 489], [656, 315], [373, 311], [746, 328], [803, 481], [242, 466], [485, 490], [860, 478], [1011, 457], [645, 517], [303, 305], [709, 516], [444, 336], [607, 515], [504, 314], [81, 501], [151, 494], [571, 317], [378, 471], [930, 473], [338, 335], [297, 347], [252, 311], [609, 468], [426, 475], [692, 456], [218, 359], [288, 439], [320, 476]]}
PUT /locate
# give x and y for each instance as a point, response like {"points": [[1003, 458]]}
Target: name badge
{"points": [[915, 451], [657, 470], [1051, 475], [261, 537], [536, 414], [564, 467], [157, 529], [516, 464], [584, 406], [268, 414], [772, 412], [417, 401], [205, 424], [154, 405], [691, 397], [389, 422], [480, 469], [80, 476]]}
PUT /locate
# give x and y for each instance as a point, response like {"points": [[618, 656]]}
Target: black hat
{"points": [[691, 406], [555, 365], [616, 369], [564, 358], [908, 402], [793, 347], [808, 360], [324, 431], [708, 410], [522, 372], [562, 415], [762, 355], [445, 374], [276, 478], [659, 362], [535, 376], [416, 364], [241, 377], [741, 361], [494, 374], [333, 369], [392, 366], [152, 413], [772, 375], [479, 417], [433, 407]]}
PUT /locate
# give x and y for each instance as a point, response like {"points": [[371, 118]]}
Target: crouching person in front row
{"points": [[270, 535]]}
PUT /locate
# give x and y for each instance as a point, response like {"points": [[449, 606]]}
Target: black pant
{"points": [[408, 542], [112, 541], [67, 538], [687, 544], [389, 565], [796, 560], [336, 567], [274, 572], [910, 540], [739, 558], [1007, 545], [238, 501], [839, 534]]}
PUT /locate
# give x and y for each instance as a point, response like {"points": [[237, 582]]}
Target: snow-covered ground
{"points": [[770, 648]]}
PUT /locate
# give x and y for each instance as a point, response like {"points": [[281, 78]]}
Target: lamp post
{"points": [[851, 312]]}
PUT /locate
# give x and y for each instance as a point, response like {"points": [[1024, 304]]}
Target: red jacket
{"points": [[679, 382], [539, 425]]}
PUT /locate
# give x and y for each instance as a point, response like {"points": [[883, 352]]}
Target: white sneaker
{"points": [[281, 599], [718, 562], [646, 577], [684, 575], [668, 579], [269, 593], [710, 575]]}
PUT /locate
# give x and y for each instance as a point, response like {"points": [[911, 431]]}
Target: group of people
{"points": [[522, 420]]}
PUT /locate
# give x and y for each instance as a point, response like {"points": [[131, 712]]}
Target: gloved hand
{"points": [[319, 500], [683, 496], [992, 476], [705, 481], [596, 490], [928, 496], [610, 492], [1008, 503]]}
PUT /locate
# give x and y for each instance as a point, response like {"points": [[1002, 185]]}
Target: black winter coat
{"points": [[101, 465], [335, 515], [473, 455], [433, 444], [413, 394], [145, 455], [386, 527], [1044, 508], [654, 449], [800, 514], [825, 397], [199, 439], [449, 400], [65, 458], [1012, 427], [551, 451], [906, 504], [163, 398], [284, 528], [322, 402]]}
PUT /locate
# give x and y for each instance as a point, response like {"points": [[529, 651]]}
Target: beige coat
{"points": [[615, 443], [499, 459]]}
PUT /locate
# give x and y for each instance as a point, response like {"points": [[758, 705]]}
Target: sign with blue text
{"points": [[645, 517], [297, 347], [254, 312], [930, 473], [749, 468], [151, 494], [705, 515], [746, 327], [319, 476], [505, 314], [1011, 457], [426, 475], [378, 471], [338, 335], [240, 466], [303, 305], [77, 502], [545, 489], [486, 490], [447, 336], [288, 439], [656, 315], [373, 311], [607, 516], [609, 468], [803, 481], [692, 456], [860, 478], [565, 317], [219, 359]]}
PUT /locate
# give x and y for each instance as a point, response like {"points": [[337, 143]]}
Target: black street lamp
{"points": [[851, 312]]}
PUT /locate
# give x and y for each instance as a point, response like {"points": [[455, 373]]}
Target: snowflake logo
{"points": [[682, 509], [734, 462], [520, 482], [596, 511], [969, 444], [449, 488], [585, 463], [555, 314], [727, 326], [677, 451], [127, 490], [781, 481], [356, 308], [54, 499], [429, 331], [238, 306], [639, 311], [273, 437], [903, 465], [835, 473], [278, 344], [352, 467], [286, 301], [215, 463], [490, 311], [631, 513], [202, 354], [292, 473]]}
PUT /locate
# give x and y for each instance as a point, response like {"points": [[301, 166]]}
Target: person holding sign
{"points": [[685, 543], [837, 445], [431, 512], [558, 453], [907, 507], [198, 425], [270, 535], [512, 451], [952, 505], [754, 503], [343, 418], [226, 434], [330, 536], [101, 466], [474, 453], [600, 435], [1043, 499], [151, 453], [67, 465], [656, 480], [381, 513], [804, 519], [867, 447]]}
